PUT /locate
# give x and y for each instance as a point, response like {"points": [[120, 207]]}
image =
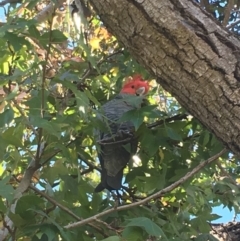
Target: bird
{"points": [[113, 154]]}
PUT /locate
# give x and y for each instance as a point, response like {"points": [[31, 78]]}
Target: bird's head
{"points": [[135, 86]]}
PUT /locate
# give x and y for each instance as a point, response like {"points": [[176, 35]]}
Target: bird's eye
{"points": [[132, 86]]}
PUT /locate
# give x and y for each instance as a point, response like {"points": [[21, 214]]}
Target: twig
{"points": [[45, 68], [92, 166], [227, 12], [162, 121], [41, 145], [225, 173], [113, 141], [154, 196], [2, 3], [120, 51], [107, 225], [233, 24]]}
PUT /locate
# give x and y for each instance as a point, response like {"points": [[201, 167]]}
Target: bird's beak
{"points": [[140, 91]]}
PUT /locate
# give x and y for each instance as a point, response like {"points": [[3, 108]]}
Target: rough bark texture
{"points": [[191, 55], [226, 232]]}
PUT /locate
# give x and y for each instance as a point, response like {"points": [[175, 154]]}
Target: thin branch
{"points": [[41, 145], [154, 196], [112, 141], [45, 68], [120, 51], [233, 24], [223, 171], [92, 166], [2, 3], [173, 118], [227, 12]]}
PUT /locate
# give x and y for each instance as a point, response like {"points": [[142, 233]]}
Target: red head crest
{"points": [[135, 86]]}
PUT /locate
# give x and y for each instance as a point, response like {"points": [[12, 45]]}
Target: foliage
{"points": [[53, 81]]}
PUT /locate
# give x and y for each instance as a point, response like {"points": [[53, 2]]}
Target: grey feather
{"points": [[114, 157]]}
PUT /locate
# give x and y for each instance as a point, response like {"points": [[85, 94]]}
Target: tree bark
{"points": [[191, 55], [226, 232]]}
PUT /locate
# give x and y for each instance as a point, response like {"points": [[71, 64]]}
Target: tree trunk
{"points": [[191, 55]]}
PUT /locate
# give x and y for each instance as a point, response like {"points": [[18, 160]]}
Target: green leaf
{"points": [[26, 202], [173, 134], [149, 141], [201, 224], [33, 31], [57, 36], [16, 41], [112, 238], [146, 223], [133, 234], [135, 117], [17, 219], [205, 237], [206, 138], [50, 126], [6, 117], [134, 101], [152, 183], [7, 136], [12, 94], [32, 4], [2, 206], [212, 217], [149, 111], [91, 97], [51, 174], [96, 202], [49, 230], [81, 97], [34, 104], [61, 231]]}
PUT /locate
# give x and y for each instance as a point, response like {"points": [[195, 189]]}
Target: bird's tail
{"points": [[110, 182]]}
